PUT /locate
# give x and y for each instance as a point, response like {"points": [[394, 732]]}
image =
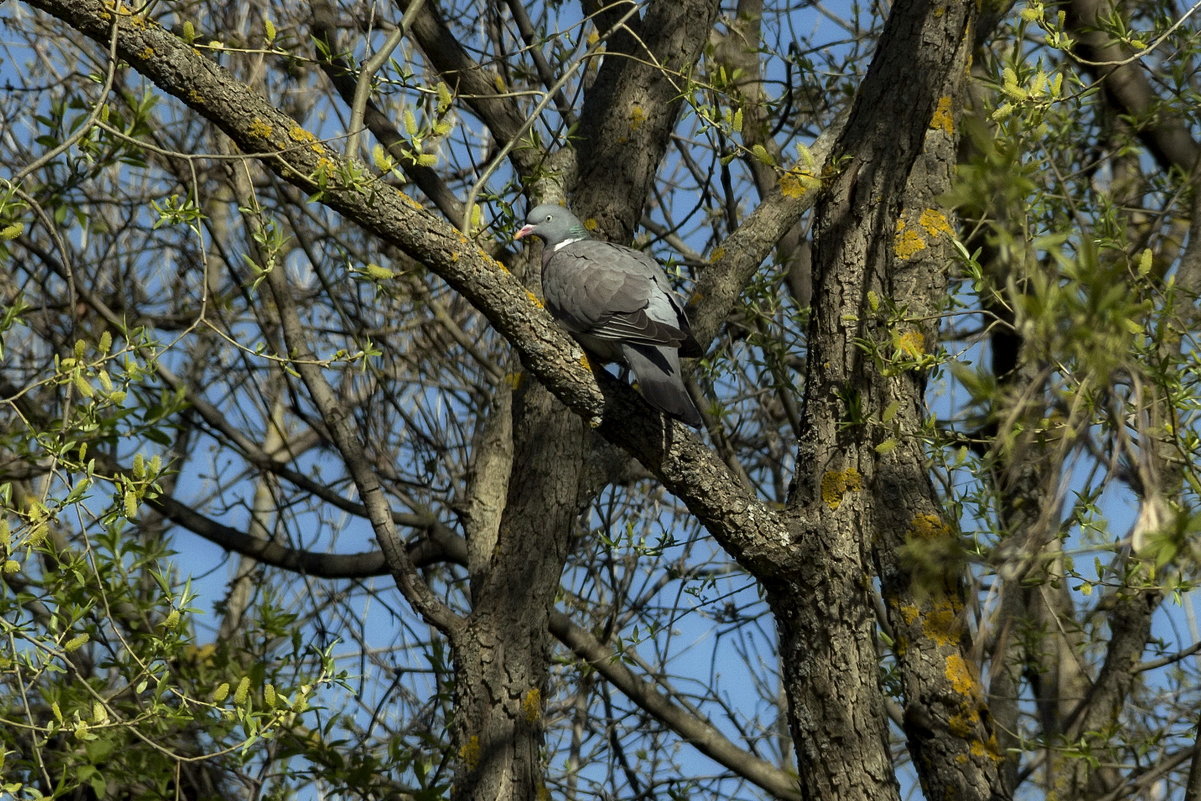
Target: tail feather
{"points": [[661, 382]]}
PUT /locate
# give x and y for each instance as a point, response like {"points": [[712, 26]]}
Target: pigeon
{"points": [[618, 304]]}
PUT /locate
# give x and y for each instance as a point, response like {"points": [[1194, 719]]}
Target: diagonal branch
{"points": [[350, 445], [467, 79], [342, 75], [443, 545], [696, 730], [745, 526], [1127, 87]]}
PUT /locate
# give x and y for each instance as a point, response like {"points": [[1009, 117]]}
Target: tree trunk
{"points": [[502, 652], [879, 273], [831, 672]]}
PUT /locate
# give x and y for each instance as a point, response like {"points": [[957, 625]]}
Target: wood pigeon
{"points": [[618, 303]]}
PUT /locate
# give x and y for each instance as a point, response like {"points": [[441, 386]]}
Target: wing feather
{"points": [[612, 292]]}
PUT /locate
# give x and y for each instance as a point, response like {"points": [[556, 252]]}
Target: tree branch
{"points": [[696, 730], [342, 75], [746, 527], [628, 115], [1167, 137]]}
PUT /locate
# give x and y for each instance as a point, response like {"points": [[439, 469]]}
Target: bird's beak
{"points": [[529, 229]]}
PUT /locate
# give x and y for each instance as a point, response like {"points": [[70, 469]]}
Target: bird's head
{"points": [[553, 224]]}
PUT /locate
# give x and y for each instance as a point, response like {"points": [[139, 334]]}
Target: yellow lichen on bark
{"points": [[912, 239], [139, 21], [928, 527], [469, 752], [637, 116], [837, 483], [531, 705], [943, 119], [301, 136], [965, 722], [908, 241], [963, 680], [260, 129], [988, 749], [935, 222], [942, 625]]}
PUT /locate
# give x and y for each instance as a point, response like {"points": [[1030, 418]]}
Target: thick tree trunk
{"points": [[628, 115], [831, 673], [879, 271], [502, 652]]}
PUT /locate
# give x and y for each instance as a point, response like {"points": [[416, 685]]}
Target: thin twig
{"points": [[362, 90]]}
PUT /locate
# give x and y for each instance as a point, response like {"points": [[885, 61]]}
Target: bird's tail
{"points": [[661, 382]]}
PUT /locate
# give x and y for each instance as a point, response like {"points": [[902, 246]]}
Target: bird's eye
{"points": [[548, 218]]}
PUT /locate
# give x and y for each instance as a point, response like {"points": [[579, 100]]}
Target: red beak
{"points": [[526, 231]]}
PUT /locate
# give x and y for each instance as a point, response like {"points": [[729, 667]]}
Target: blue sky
{"points": [[700, 649]]}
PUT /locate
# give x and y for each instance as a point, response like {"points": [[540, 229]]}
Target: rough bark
{"points": [[628, 115], [502, 653], [501, 657], [946, 719], [859, 497]]}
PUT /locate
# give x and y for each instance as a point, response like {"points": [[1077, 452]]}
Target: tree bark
{"points": [[813, 559], [630, 110], [868, 492], [501, 654]]}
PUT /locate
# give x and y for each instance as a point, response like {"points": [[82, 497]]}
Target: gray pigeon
{"points": [[618, 303]]}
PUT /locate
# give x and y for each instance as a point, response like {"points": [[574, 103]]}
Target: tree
{"points": [[261, 294]]}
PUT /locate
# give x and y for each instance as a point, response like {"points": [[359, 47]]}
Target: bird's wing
{"points": [[612, 292]]}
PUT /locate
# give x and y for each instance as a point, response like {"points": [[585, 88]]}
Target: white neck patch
{"points": [[567, 242]]}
